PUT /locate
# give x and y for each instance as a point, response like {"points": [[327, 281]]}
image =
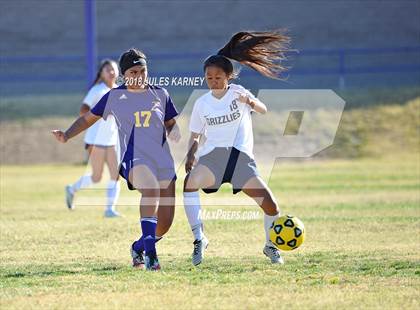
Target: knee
{"points": [[96, 177], [270, 205], [150, 192], [149, 187], [191, 183]]}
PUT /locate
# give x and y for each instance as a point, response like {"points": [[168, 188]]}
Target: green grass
{"points": [[26, 107], [362, 248]]}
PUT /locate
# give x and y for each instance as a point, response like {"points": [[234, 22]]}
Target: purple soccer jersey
{"points": [[140, 119]]}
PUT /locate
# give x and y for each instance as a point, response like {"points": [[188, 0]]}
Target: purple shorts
{"points": [[162, 171]]}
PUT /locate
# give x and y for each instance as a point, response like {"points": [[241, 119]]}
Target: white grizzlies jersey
{"points": [[225, 122], [103, 132]]}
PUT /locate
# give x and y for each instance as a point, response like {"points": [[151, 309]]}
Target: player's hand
{"points": [[242, 97], [59, 135], [189, 163], [175, 134]]}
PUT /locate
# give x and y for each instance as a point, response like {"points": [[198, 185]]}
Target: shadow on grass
{"points": [[58, 271], [230, 269]]}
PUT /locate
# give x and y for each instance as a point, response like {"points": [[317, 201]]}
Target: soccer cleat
{"points": [[138, 259], [151, 262], [111, 213], [69, 197], [199, 247], [273, 254]]}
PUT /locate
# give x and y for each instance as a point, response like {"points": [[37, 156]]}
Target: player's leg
{"points": [[166, 209], [165, 213], [96, 160], [113, 186], [199, 177], [256, 188], [143, 179]]}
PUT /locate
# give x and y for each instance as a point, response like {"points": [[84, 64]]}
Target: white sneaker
{"points": [[273, 254], [69, 197], [109, 213], [199, 247]]}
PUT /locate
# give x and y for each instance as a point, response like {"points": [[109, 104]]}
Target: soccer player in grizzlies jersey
{"points": [[145, 117], [223, 116]]}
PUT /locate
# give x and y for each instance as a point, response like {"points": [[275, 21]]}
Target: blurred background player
{"points": [[101, 141], [144, 115], [223, 116]]}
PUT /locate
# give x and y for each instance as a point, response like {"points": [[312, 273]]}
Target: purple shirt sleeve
{"points": [[170, 109], [99, 108]]}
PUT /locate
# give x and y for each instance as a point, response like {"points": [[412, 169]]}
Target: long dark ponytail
{"points": [[104, 63], [263, 51]]}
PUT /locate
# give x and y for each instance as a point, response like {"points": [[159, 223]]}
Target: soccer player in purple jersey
{"points": [[145, 117]]}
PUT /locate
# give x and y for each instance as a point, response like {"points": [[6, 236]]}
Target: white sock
{"points": [[112, 194], [268, 220], [84, 182], [193, 211]]}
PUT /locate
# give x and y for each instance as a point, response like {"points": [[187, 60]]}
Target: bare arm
{"points": [[172, 130], [84, 108], [81, 124], [256, 105], [192, 149], [169, 124]]}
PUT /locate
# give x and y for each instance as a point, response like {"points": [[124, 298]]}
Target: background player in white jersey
{"points": [[100, 141], [223, 116]]}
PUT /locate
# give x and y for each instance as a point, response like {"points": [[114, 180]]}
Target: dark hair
{"points": [[104, 63], [262, 51], [131, 58]]}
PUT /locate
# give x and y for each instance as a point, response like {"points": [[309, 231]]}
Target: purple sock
{"points": [[148, 227], [138, 245]]}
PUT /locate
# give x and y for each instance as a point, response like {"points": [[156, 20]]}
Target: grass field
{"points": [[362, 248]]}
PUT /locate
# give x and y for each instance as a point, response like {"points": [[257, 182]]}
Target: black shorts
{"points": [[229, 165]]}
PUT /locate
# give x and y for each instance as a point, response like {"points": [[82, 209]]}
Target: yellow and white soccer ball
{"points": [[287, 233]]}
